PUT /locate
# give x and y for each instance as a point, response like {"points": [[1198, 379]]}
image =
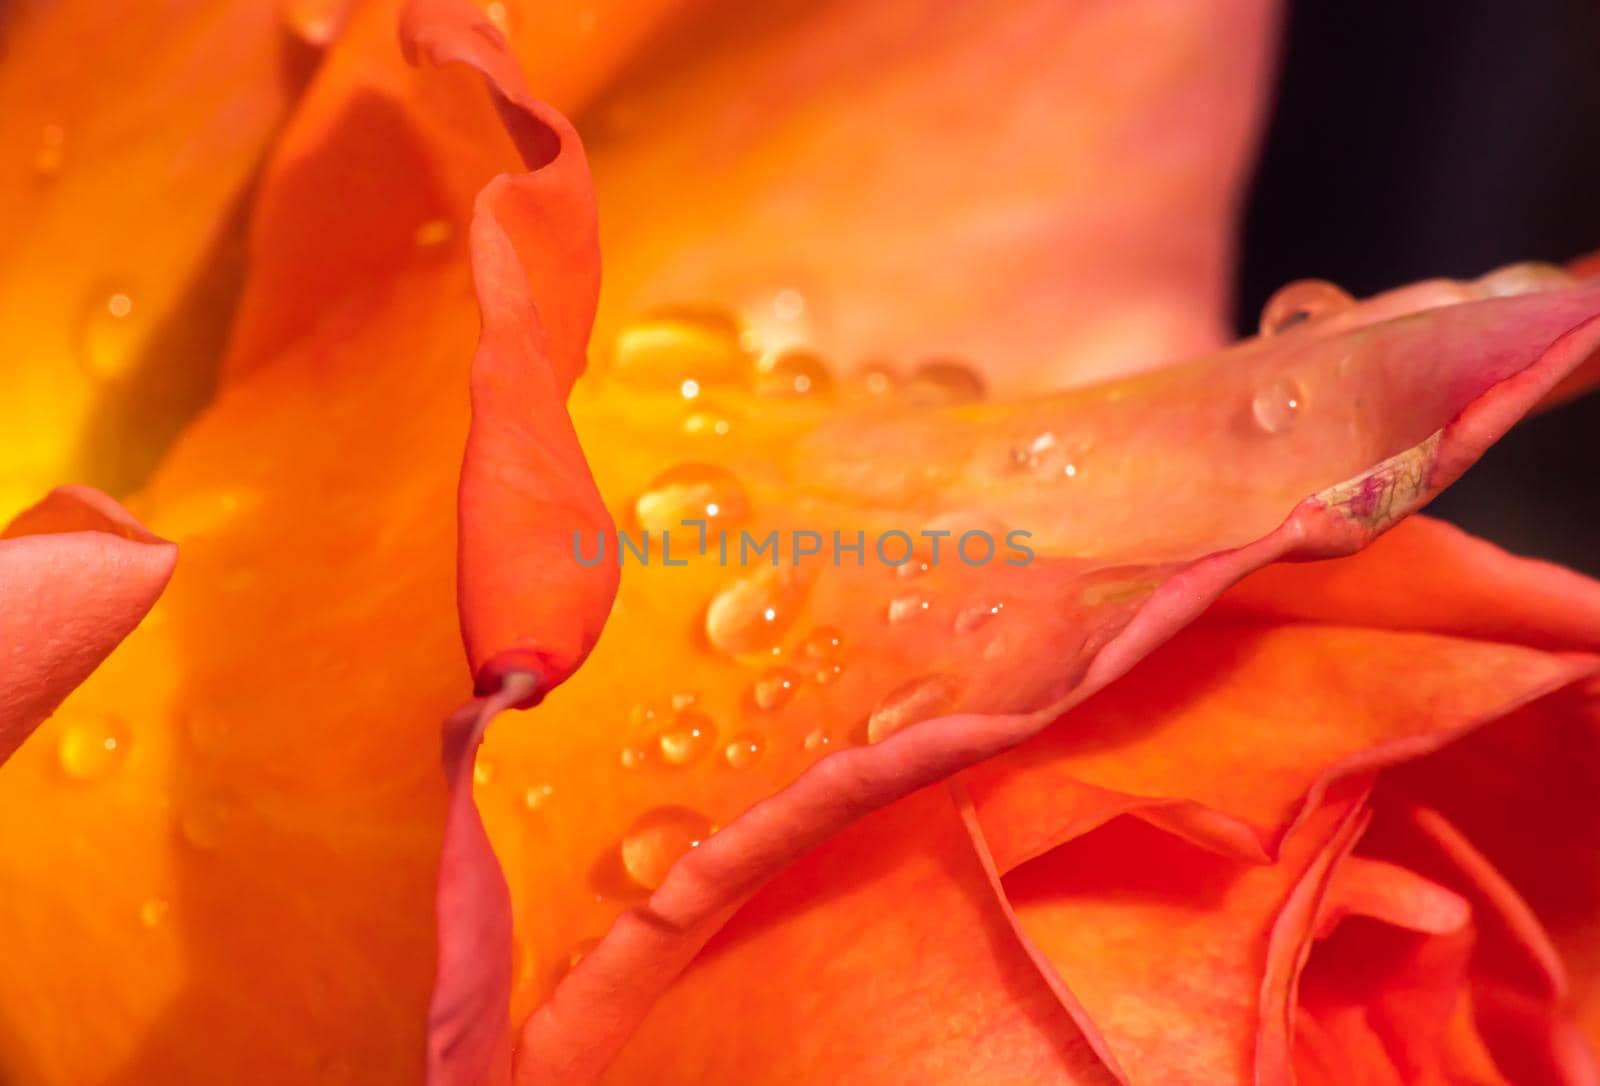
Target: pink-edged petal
{"points": [[77, 573], [1397, 409], [468, 1034]]}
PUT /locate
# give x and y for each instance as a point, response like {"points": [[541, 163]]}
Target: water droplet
{"points": [[774, 688], [906, 608], [434, 233], [499, 15], [829, 672], [707, 423], [817, 741], [634, 757], [111, 334], [482, 772], [1300, 301], [51, 153], [688, 739], [943, 382], [692, 492], [743, 750], [657, 839], [683, 701], [911, 703], [914, 568], [1278, 405], [971, 618], [92, 747], [751, 615], [535, 795], [823, 643], [315, 22], [154, 911], [688, 349], [794, 374], [1528, 277], [875, 380]]}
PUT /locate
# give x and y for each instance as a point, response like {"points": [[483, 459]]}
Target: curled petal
{"points": [[77, 573], [1133, 545]]}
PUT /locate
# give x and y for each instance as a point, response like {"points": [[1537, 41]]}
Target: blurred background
{"points": [[1444, 137]]}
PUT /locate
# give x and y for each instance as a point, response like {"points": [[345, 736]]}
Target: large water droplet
{"points": [[92, 746], [1303, 300], [657, 839], [689, 349], [794, 374], [743, 750], [774, 688], [943, 382], [911, 703], [1278, 405], [751, 615], [692, 492], [689, 737], [111, 334]]}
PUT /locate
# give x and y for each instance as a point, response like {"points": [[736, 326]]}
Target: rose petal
{"points": [[1426, 575], [1520, 1003], [1521, 792], [1233, 725], [1166, 945], [279, 814], [115, 293], [882, 956], [1157, 564], [77, 574], [850, 152]]}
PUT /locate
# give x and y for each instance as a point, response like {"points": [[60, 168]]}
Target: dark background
{"points": [[1418, 138]]}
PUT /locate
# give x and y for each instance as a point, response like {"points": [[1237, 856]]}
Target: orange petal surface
{"points": [[132, 134], [916, 182]]}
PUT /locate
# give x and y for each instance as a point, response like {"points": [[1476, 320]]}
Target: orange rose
{"points": [[1187, 758]]}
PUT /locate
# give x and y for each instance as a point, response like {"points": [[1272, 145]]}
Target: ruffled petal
{"points": [[904, 181], [1166, 945], [1520, 793], [132, 132], [1520, 1003], [885, 955], [77, 574]]}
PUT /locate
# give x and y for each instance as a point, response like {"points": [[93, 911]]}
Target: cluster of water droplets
{"points": [[704, 352]]}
